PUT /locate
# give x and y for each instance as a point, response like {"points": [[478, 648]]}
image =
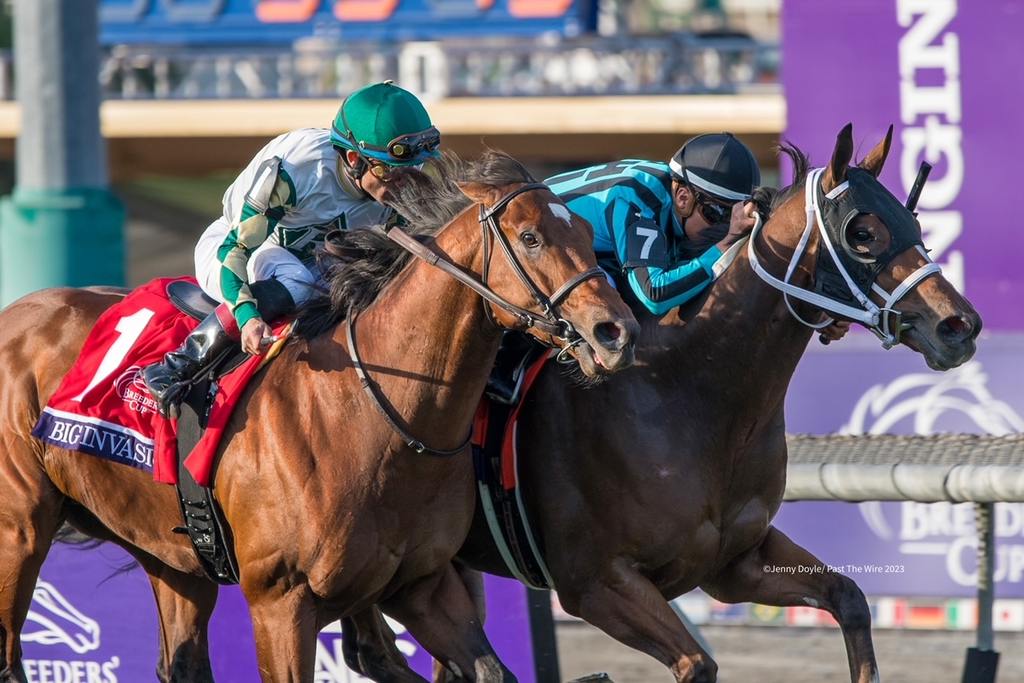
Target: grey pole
{"points": [[61, 226], [984, 520], [983, 660]]}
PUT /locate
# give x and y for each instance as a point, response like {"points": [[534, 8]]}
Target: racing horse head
{"points": [[872, 266]]}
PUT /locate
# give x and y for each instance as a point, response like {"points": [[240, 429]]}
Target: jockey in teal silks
{"points": [[649, 220], [258, 257], [649, 216]]}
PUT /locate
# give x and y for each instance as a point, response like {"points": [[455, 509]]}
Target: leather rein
{"points": [[549, 321]]}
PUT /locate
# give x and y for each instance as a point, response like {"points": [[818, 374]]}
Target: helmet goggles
{"points": [[715, 211], [404, 150]]}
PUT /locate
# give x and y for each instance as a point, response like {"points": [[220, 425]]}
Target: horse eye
{"points": [[530, 239], [862, 236]]}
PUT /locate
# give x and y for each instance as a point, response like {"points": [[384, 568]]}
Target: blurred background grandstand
{"points": [[193, 88]]}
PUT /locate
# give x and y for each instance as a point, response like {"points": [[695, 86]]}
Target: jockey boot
{"points": [[503, 384], [171, 379]]}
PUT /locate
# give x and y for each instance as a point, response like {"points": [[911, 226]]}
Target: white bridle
{"points": [[883, 320]]}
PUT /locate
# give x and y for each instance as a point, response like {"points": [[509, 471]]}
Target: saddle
{"points": [[204, 520], [494, 461]]}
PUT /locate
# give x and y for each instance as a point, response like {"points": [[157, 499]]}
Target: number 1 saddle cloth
{"points": [[103, 408]]}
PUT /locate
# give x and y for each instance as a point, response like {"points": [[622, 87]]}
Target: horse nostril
{"points": [[611, 335], [956, 329]]}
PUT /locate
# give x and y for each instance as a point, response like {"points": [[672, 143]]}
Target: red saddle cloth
{"points": [[495, 424], [102, 406]]}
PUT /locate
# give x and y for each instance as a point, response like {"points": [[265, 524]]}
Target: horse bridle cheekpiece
{"points": [[843, 279], [549, 321], [553, 324]]}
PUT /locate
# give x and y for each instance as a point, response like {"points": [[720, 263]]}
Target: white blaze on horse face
{"points": [[561, 212]]}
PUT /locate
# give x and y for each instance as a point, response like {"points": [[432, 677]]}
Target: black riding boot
{"points": [[169, 380]]}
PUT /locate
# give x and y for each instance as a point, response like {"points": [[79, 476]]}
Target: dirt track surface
{"points": [[751, 654]]}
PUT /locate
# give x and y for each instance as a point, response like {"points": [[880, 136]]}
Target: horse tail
{"points": [[68, 535]]}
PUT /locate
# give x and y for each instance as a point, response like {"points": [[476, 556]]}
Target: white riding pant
{"points": [[269, 261]]}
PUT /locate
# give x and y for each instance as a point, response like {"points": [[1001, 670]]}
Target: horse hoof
{"points": [[593, 678]]}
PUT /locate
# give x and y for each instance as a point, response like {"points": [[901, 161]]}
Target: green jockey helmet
{"points": [[386, 123]]}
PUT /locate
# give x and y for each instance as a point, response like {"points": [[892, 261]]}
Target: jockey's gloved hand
{"points": [[741, 222], [834, 332], [254, 336]]}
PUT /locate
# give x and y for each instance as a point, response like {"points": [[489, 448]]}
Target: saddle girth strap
{"points": [[205, 524]]}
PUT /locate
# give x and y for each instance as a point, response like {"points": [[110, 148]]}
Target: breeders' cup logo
{"points": [[954, 401], [330, 660], [54, 621], [133, 391], [929, 403]]}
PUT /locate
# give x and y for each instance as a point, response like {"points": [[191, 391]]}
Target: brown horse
{"points": [[331, 510], [666, 478]]}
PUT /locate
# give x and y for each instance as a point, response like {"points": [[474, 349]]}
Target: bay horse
{"points": [[331, 510], [666, 477]]}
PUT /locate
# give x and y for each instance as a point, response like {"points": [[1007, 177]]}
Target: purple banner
{"points": [[947, 74], [907, 548], [90, 623]]}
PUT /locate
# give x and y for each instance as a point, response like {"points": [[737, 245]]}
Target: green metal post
{"points": [[62, 225]]}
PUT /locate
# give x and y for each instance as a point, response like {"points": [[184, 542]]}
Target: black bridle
{"points": [[549, 321]]}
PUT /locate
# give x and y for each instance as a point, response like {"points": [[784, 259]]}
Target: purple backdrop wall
{"points": [[90, 623], [947, 74], [855, 387]]}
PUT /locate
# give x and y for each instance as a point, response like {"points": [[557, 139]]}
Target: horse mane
{"points": [[801, 167], [426, 204]]}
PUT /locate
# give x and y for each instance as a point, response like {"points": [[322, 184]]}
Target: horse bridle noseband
{"points": [[884, 321], [551, 324]]}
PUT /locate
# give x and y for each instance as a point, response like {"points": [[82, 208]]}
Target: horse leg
{"points": [[440, 614], [30, 514], [627, 606], [184, 604], [779, 572], [285, 628], [474, 583], [369, 647]]}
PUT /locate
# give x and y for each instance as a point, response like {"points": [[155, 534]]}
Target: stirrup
{"points": [[173, 396]]}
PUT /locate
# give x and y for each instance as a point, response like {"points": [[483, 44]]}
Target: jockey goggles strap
{"points": [[402, 149]]}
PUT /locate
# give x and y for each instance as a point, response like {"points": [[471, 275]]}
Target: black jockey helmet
{"points": [[719, 165]]}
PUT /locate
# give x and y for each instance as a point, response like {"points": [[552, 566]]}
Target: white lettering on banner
{"points": [[926, 528], [52, 620], [71, 671], [110, 443], [929, 46], [930, 403], [330, 658]]}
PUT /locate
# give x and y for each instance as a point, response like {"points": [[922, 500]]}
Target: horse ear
{"points": [[872, 163], [481, 193], [835, 174]]}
